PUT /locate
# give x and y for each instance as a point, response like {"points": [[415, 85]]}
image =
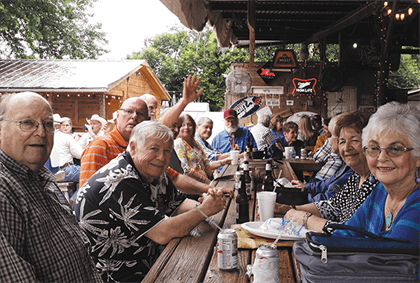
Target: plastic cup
{"points": [[266, 203], [234, 154], [289, 152]]}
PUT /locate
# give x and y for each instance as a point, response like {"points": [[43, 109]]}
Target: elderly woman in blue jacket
{"points": [[391, 143]]}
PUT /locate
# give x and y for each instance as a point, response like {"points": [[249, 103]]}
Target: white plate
{"points": [[254, 228]]}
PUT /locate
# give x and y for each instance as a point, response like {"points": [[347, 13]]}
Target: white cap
{"points": [[114, 116], [57, 119], [96, 117]]}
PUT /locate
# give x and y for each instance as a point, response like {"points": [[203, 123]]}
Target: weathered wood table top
{"points": [[194, 259]]}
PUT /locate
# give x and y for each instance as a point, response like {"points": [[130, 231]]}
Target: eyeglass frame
{"points": [[406, 149], [132, 112], [36, 127]]}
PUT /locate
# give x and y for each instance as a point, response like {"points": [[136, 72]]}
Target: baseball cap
{"points": [[230, 113]]}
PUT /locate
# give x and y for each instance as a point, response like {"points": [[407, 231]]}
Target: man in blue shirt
{"points": [[232, 134]]}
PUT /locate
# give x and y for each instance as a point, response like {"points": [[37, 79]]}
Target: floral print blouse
{"points": [[192, 158]]}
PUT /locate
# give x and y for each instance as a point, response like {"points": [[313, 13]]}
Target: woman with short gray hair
{"points": [[391, 143]]}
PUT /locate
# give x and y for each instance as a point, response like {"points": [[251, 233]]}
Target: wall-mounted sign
{"points": [[265, 73], [289, 102], [284, 59], [247, 106], [267, 90], [304, 86]]}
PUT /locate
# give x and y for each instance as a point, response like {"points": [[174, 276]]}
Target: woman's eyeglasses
{"points": [[391, 151]]}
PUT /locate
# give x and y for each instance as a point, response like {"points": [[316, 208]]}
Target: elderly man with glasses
{"points": [[40, 240], [102, 150]]}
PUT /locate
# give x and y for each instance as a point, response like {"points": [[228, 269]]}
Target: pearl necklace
{"points": [[390, 217]]}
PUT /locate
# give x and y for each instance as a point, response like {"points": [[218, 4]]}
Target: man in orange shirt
{"points": [[132, 112], [102, 150]]}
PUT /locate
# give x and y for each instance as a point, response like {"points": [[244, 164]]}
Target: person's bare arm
{"points": [[189, 94], [191, 186], [186, 219], [314, 222], [309, 207]]}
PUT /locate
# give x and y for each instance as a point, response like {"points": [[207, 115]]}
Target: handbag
{"points": [[329, 258]]}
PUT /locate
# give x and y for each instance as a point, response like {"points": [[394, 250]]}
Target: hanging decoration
{"points": [[247, 106]]}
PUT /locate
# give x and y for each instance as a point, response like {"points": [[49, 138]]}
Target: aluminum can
{"points": [[303, 153], [266, 265], [227, 249]]}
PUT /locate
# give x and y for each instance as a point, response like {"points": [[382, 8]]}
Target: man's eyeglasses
{"points": [[391, 151], [138, 113], [32, 125]]}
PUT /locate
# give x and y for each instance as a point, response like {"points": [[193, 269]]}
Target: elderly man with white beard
{"points": [[232, 135]]}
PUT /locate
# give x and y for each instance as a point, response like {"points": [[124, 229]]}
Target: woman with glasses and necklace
{"points": [[193, 158], [352, 194], [392, 146]]}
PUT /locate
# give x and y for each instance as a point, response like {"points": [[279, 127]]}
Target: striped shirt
{"points": [[99, 153], [40, 240]]}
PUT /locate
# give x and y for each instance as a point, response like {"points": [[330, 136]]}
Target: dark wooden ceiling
{"points": [[285, 22]]}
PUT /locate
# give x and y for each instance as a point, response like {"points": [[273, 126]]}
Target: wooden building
{"points": [[371, 36], [80, 88]]}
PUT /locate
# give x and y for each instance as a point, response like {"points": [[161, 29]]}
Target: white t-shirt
{"points": [[87, 138], [66, 147]]}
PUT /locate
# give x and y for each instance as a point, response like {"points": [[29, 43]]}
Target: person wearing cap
{"points": [[95, 130], [108, 127], [64, 150], [57, 121], [152, 104], [232, 135]]}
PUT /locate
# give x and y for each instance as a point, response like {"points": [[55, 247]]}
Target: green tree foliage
{"points": [[173, 56], [408, 74], [49, 29]]}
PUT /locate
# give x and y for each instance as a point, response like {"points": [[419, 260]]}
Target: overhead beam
{"points": [[358, 15]]}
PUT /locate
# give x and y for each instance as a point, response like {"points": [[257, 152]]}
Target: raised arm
{"points": [[189, 94]]}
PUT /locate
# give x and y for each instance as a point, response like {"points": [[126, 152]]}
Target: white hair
{"points": [[150, 130], [263, 119], [403, 119], [201, 120]]}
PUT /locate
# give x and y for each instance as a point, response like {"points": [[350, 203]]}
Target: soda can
{"points": [[303, 153], [266, 265], [227, 249]]}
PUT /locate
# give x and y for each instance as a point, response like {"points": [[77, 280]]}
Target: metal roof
{"points": [[66, 75]]}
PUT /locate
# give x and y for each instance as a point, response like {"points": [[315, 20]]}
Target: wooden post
{"points": [[251, 27], [386, 30], [102, 105]]}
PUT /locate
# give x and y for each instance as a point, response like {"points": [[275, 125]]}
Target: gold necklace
{"points": [[390, 217]]}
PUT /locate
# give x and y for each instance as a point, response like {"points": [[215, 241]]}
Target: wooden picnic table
{"points": [[304, 167], [194, 258]]}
